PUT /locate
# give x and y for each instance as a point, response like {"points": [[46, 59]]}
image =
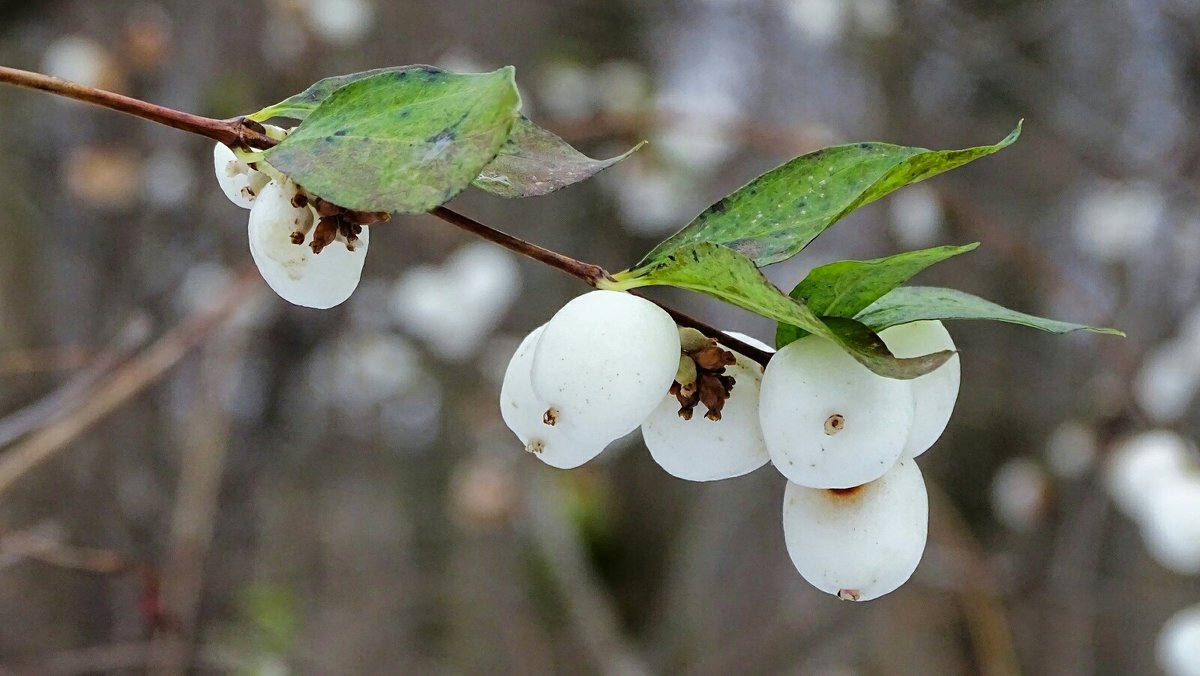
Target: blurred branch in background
{"points": [[126, 381], [205, 439]]}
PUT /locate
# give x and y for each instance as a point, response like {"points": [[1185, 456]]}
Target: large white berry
{"points": [[858, 543], [706, 450], [292, 270], [604, 362], [828, 422], [934, 393], [238, 181], [1178, 645], [523, 413]]}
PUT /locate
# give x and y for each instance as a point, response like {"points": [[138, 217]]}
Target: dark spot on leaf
{"points": [[444, 136], [719, 207], [695, 256], [865, 146], [341, 132], [405, 113]]}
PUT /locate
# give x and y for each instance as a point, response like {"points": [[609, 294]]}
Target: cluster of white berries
{"points": [[308, 258], [855, 511]]}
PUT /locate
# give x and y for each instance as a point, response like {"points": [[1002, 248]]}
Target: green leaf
{"points": [[536, 162], [298, 106], [728, 275], [776, 215], [845, 288], [406, 140], [915, 303]]}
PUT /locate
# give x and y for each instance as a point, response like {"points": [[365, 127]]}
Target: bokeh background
{"points": [[197, 477]]}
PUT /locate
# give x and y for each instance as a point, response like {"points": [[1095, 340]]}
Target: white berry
{"points": [[934, 393], [523, 413], [238, 181], [1171, 524], [705, 450], [828, 422], [1141, 464], [604, 362], [860, 543], [1178, 646], [292, 270]]}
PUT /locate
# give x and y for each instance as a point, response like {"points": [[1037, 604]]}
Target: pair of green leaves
{"points": [[778, 214], [410, 138]]}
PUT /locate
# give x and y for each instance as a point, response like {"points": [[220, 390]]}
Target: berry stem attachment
{"points": [[239, 132]]}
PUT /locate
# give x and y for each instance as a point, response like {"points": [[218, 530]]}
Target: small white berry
{"points": [[524, 413], [934, 393], [705, 450], [238, 181]]}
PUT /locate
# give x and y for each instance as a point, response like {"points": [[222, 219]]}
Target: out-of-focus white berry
{"points": [[1171, 524], [479, 281], [916, 216], [1142, 464], [566, 89], [828, 422], [292, 270], [858, 543], [820, 21], [81, 60], [934, 393], [1116, 220], [1071, 450], [238, 181], [604, 362], [706, 450], [523, 411], [1019, 492], [340, 21], [1168, 380], [1178, 645]]}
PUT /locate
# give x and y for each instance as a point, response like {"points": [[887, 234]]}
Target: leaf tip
{"points": [[1012, 135]]}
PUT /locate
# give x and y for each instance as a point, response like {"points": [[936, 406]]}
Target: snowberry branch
{"points": [[240, 132]]}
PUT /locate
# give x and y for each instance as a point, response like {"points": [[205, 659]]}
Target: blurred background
{"points": [[197, 477]]}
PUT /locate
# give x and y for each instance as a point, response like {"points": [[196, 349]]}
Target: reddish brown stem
{"points": [[232, 132], [588, 272]]}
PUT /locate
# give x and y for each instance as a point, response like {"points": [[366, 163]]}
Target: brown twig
{"points": [[48, 550], [232, 132], [590, 274]]}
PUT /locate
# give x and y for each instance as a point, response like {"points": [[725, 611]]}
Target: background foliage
{"points": [[334, 491]]}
